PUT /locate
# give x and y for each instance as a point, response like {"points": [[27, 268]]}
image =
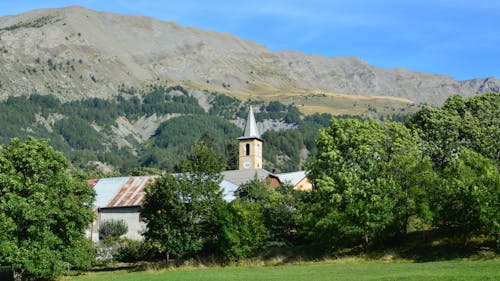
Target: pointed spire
{"points": [[251, 131]]}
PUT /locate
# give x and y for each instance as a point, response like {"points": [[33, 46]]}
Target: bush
{"points": [[242, 230], [133, 251], [111, 230]]}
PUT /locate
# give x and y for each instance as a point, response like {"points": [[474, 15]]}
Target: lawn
{"points": [[327, 270]]}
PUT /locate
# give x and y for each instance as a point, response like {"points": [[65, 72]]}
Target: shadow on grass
{"points": [[136, 266], [427, 246], [5, 273], [110, 268]]}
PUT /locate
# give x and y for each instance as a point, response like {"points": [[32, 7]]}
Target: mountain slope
{"points": [[75, 53]]}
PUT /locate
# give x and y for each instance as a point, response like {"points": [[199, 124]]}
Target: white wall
{"points": [[130, 215]]}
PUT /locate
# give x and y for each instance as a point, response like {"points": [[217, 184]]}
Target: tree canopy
{"points": [[377, 180], [181, 209], [367, 175], [44, 210], [462, 140]]}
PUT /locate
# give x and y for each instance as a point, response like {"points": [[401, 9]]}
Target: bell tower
{"points": [[250, 145]]}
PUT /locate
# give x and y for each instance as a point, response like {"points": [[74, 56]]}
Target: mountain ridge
{"points": [[75, 53]]}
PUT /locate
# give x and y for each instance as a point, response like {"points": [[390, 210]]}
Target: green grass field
{"points": [[317, 271]]}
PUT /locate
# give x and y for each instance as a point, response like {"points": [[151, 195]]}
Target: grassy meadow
{"points": [[343, 269]]}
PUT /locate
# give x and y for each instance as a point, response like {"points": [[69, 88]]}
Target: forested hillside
{"points": [[155, 126]]}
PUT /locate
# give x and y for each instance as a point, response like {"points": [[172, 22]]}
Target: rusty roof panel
{"points": [[121, 192], [131, 192]]}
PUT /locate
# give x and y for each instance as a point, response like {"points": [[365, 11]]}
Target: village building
{"points": [[121, 198]]}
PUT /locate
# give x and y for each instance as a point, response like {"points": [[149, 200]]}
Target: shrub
{"points": [[112, 229], [133, 251]]}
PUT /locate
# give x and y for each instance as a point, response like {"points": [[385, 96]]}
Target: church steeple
{"points": [[251, 131], [250, 147]]}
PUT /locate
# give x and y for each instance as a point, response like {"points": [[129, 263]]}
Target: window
{"points": [[247, 149]]}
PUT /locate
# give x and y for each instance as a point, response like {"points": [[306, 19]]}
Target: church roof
{"points": [[239, 177], [251, 131]]}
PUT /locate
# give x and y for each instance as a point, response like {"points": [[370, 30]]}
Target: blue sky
{"points": [[454, 37]]}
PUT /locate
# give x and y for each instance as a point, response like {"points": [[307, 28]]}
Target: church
{"points": [[121, 198]]}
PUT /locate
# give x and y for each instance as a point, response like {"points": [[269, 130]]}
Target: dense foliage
{"points": [[44, 210], [473, 123], [175, 136], [242, 230], [369, 177], [181, 210], [378, 180], [462, 140]]}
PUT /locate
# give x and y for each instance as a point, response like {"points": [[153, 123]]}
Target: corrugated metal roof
{"points": [[292, 178], [129, 191], [120, 192]]}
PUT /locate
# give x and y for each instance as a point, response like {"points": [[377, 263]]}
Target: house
{"points": [[298, 180], [122, 197]]}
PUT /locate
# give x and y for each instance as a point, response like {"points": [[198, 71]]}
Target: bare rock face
{"points": [[75, 53]]}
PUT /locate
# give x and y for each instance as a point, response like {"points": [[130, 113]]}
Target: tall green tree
{"points": [[202, 159], [412, 172], [473, 123], [181, 209], [468, 199], [280, 208], [368, 181], [44, 210], [281, 211]]}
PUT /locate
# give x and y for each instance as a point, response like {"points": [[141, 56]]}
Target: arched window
{"points": [[247, 149]]}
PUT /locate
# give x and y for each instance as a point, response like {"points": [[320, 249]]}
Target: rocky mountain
{"points": [[74, 53]]}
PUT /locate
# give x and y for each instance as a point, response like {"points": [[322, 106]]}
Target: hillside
{"points": [[154, 127], [75, 53]]}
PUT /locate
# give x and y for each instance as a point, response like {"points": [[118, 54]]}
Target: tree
{"points": [[253, 191], [367, 179], [181, 210], [279, 207], [202, 159], [412, 172], [44, 209], [242, 230], [468, 199], [461, 138], [281, 211], [473, 123], [145, 171]]}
